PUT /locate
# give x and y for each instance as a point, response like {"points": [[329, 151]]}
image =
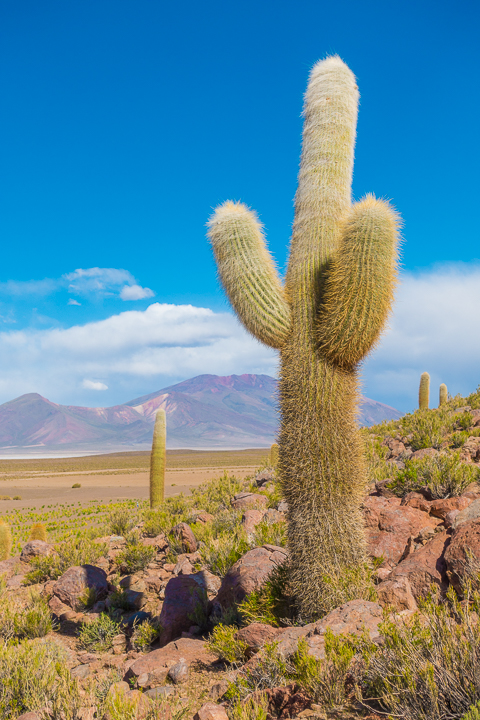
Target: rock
{"points": [[424, 452], [87, 713], [396, 593], [76, 579], [29, 716], [137, 618], [263, 477], [15, 582], [81, 671], [157, 693], [468, 514], [184, 595], [395, 446], [133, 582], [156, 664], [246, 500], [450, 518], [211, 711], [382, 489], [219, 689], [353, 617], [463, 553], [416, 500], [57, 607], [178, 673], [425, 566], [273, 516], [441, 508], [249, 574], [99, 607], [207, 580], [282, 506], [36, 548], [160, 542], [251, 518], [471, 450], [204, 518], [9, 567], [284, 702], [184, 534], [183, 567], [256, 635]]}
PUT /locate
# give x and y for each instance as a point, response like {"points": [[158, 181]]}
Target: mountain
{"points": [[205, 411]]}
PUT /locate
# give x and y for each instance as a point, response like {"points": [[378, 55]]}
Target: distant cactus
{"points": [[158, 460], [330, 313], [274, 455], [443, 395], [38, 532], [424, 391], [5, 540]]}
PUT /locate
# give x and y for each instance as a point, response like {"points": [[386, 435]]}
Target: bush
{"points": [[270, 534], [443, 475], [33, 675], [32, 620], [135, 557], [98, 634], [76, 551], [215, 495], [75, 486], [223, 643], [428, 427], [5, 540], [38, 532], [324, 681], [121, 521], [220, 553], [156, 522], [145, 634], [119, 600], [250, 709]]}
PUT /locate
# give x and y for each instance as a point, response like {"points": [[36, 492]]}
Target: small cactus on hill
{"points": [[424, 391], [5, 540], [329, 314], [443, 394], [274, 455], [38, 532], [158, 460]]}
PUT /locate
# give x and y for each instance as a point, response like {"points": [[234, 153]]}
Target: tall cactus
{"points": [[424, 391], [443, 394], [5, 540], [337, 295], [158, 460]]}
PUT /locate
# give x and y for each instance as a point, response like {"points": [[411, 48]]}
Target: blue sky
{"points": [[125, 123]]}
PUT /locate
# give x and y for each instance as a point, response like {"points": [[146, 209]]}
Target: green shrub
{"points": [[87, 598], [75, 486], [5, 540], [76, 551], [156, 522], [145, 634], [474, 400], [443, 475], [98, 634], [223, 643], [250, 709], [273, 603], [459, 439], [42, 569], [464, 420], [119, 600], [473, 713], [324, 681], [121, 521], [220, 553], [135, 557], [33, 675], [215, 495], [428, 428], [29, 620], [270, 534]]}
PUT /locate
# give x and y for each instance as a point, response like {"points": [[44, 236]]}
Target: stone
{"points": [[178, 673], [207, 580], [9, 567], [249, 573], [463, 552], [425, 567], [57, 607], [468, 514], [395, 446], [87, 713], [282, 506], [137, 618], [184, 533], [255, 635], [450, 518], [353, 617], [29, 716], [183, 567], [288, 701], [15, 582], [246, 500], [143, 704], [273, 516], [81, 671], [36, 548], [184, 595], [416, 500], [263, 477], [423, 453], [251, 518], [396, 593], [75, 580], [160, 542], [156, 664], [382, 489], [157, 693], [204, 518], [471, 450], [133, 582], [441, 508], [211, 711]]}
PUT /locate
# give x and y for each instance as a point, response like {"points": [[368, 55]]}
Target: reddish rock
{"points": [[76, 579], [160, 542], [9, 567], [246, 500], [469, 514], [450, 518], [373, 505], [441, 508], [156, 664], [416, 500], [395, 446], [256, 635], [211, 711], [353, 617], [36, 548], [249, 574], [178, 673], [464, 549], [184, 534], [425, 566], [284, 702], [29, 716], [183, 596], [207, 580], [252, 518], [382, 489], [423, 453], [396, 593], [204, 518], [471, 450]]}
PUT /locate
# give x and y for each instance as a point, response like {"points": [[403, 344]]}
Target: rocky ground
{"points": [[417, 543]]}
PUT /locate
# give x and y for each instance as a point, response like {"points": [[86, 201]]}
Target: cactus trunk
{"points": [[424, 391], [158, 460], [443, 394]]}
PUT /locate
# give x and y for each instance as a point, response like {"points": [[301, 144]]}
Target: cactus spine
{"points": [[424, 391], [443, 394], [5, 540], [158, 460], [337, 296], [38, 532]]}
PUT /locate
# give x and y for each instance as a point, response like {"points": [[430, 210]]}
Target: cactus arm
{"points": [[424, 391], [248, 273], [358, 291]]}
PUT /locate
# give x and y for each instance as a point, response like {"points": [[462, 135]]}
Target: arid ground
{"points": [[115, 476]]}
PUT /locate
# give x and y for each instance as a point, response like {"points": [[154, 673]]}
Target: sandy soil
{"points": [[52, 489]]}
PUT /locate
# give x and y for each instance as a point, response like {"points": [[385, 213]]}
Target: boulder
{"points": [[159, 542], [204, 518], [184, 534], [425, 566], [288, 701], [9, 567], [29, 716], [416, 500], [184, 596], [353, 617], [153, 668], [463, 553], [249, 574], [255, 635], [178, 673], [471, 450], [423, 453], [441, 508], [75, 580], [251, 518], [396, 593], [468, 514], [211, 711], [246, 500], [36, 548], [395, 446]]}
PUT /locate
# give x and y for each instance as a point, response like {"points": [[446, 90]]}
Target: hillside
{"points": [[205, 411]]}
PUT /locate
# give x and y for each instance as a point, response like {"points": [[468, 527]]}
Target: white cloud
{"points": [[73, 302], [18, 288], [135, 292], [104, 281], [94, 385]]}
